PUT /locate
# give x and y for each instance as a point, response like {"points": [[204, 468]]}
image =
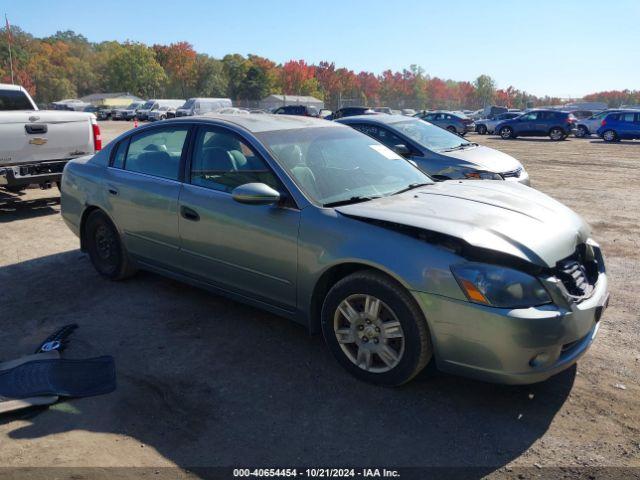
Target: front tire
{"points": [[452, 129], [482, 129], [375, 329], [506, 133], [609, 136], [581, 132], [105, 248]]}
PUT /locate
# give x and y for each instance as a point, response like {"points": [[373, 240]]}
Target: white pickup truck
{"points": [[36, 144]]}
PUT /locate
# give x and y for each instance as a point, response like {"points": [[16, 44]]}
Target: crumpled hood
{"points": [[487, 158], [492, 214]]}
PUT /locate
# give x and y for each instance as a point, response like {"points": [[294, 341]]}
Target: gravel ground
{"points": [[204, 381]]}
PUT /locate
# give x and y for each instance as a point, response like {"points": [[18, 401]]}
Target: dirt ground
{"points": [[204, 381]]}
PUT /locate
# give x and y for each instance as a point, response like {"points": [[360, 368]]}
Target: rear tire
{"points": [[105, 248], [556, 134], [375, 329], [506, 133], [609, 136], [482, 129]]}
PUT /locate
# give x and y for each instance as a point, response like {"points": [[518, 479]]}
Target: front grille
{"points": [[579, 272], [513, 173]]}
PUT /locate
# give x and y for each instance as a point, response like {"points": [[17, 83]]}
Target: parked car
{"points": [[35, 145], [488, 125], [623, 125], [303, 110], [126, 113], [455, 123], [410, 112], [161, 113], [350, 111], [439, 153], [322, 224], [589, 126], [582, 114], [103, 112], [538, 123], [142, 113], [386, 110], [198, 106]]}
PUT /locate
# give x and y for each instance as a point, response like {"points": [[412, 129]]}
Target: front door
{"points": [[142, 190], [251, 250]]}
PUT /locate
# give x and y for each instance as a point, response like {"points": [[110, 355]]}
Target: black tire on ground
{"points": [[105, 248], [452, 129], [610, 136], [506, 133], [556, 134], [482, 129], [581, 132], [418, 349]]}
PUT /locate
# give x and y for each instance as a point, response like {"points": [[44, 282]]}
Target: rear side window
{"points": [[14, 100], [223, 161], [119, 154], [628, 117], [157, 152]]}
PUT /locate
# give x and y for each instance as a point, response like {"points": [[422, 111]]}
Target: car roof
{"points": [[264, 122], [385, 119]]}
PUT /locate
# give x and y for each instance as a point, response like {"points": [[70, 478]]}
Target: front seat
{"points": [[213, 163], [291, 156]]}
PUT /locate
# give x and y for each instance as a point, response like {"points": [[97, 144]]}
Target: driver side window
{"points": [[223, 161]]}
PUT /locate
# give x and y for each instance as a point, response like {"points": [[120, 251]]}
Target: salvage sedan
{"points": [[317, 222], [439, 153]]}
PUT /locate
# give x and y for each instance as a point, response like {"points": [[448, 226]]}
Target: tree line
{"points": [[67, 65]]}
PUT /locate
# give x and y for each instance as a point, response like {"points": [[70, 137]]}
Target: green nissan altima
{"points": [[319, 223]]}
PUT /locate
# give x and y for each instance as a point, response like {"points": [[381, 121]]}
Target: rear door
{"points": [[142, 188], [626, 124], [250, 250]]}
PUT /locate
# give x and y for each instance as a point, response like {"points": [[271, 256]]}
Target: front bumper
{"points": [[523, 178], [519, 346]]}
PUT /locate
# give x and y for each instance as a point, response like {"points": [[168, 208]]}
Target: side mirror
{"points": [[255, 194], [402, 150]]}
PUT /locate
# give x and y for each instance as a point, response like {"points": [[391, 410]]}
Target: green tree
{"points": [[134, 68], [485, 89], [235, 68], [210, 78]]}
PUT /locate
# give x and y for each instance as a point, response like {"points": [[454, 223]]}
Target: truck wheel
{"points": [[106, 251], [375, 329]]}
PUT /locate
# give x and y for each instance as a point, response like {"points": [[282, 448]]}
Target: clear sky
{"points": [[556, 47]]}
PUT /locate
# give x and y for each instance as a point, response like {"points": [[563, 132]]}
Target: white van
{"points": [[198, 106], [155, 104]]}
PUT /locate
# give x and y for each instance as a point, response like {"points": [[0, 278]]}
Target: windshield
{"points": [[429, 136], [335, 164], [188, 104], [147, 105]]}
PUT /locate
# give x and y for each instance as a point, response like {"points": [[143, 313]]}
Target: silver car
{"points": [[317, 222], [437, 152], [457, 123], [488, 125]]}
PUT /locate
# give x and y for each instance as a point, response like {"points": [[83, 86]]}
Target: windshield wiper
{"points": [[411, 186], [347, 201], [462, 146]]}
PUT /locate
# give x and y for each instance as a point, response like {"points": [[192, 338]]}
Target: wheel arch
{"points": [[333, 275], [89, 209]]}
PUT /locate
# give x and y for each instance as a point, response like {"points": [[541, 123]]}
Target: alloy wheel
{"points": [[609, 135], [369, 333]]}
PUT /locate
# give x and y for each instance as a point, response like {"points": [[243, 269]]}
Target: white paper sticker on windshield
{"points": [[387, 152]]}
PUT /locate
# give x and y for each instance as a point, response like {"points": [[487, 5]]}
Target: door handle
{"points": [[112, 191], [189, 214], [36, 128]]}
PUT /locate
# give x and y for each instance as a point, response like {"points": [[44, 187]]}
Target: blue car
{"points": [[624, 125], [539, 123]]}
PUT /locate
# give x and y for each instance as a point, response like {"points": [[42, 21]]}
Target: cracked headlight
{"points": [[499, 286]]}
